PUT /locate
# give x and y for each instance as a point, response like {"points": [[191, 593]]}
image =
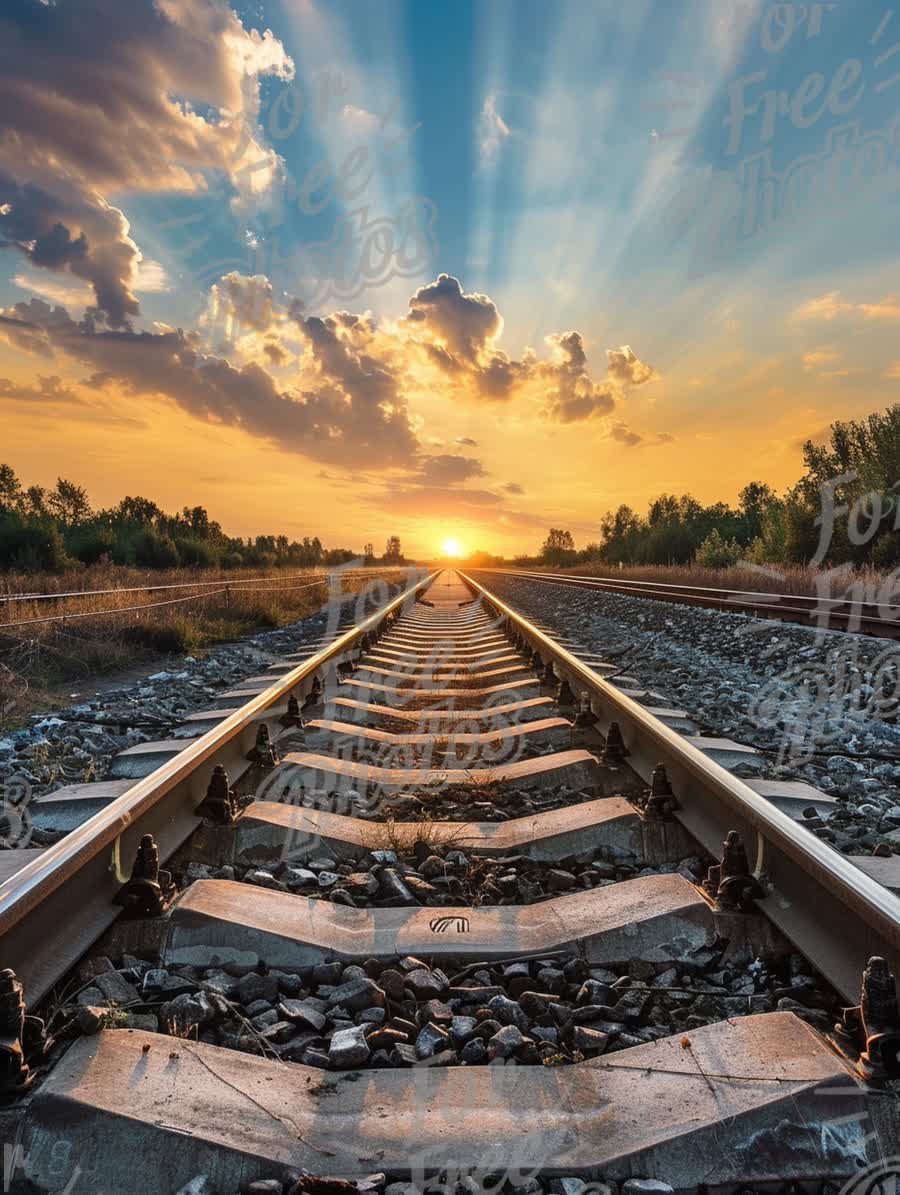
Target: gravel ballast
{"points": [[821, 706]]}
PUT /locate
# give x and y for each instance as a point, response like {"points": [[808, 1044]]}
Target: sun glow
{"points": [[451, 547]]}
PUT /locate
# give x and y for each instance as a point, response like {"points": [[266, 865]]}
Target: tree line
{"points": [[54, 529], [844, 509]]}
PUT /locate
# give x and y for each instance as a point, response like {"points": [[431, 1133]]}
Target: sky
{"points": [[457, 270]]}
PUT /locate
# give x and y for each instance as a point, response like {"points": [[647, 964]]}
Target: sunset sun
{"points": [[451, 547]]}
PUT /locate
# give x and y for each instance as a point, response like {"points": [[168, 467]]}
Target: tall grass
{"points": [[867, 584], [40, 662]]}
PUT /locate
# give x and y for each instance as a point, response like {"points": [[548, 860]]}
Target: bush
{"points": [[152, 549], [716, 552], [886, 550], [196, 553], [30, 545], [232, 560], [90, 544]]}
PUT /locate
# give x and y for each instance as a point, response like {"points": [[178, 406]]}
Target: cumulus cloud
{"points": [[353, 382], [109, 97], [242, 299], [334, 422], [456, 332], [624, 367], [462, 323], [572, 396]]}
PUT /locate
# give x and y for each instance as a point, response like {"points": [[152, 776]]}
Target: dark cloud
{"points": [[632, 439], [337, 422], [102, 96], [102, 253], [444, 470], [512, 487], [275, 353], [456, 332], [466, 442], [464, 322]]}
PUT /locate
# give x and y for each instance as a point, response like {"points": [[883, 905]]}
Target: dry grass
{"points": [[38, 662], [864, 583], [402, 837]]}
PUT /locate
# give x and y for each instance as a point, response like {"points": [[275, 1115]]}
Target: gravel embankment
{"points": [[76, 744], [822, 706]]}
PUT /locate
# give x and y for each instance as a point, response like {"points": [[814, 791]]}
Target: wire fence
{"points": [[29, 622], [150, 588]]}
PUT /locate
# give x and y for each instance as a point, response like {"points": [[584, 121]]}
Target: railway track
{"points": [[441, 905], [835, 614]]}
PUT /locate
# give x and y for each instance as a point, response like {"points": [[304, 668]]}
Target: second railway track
{"points": [[439, 904]]}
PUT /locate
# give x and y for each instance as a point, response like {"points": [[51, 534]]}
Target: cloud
{"points": [[492, 129], [275, 353], [625, 368], [456, 333], [73, 231], [512, 487], [152, 278], [816, 358], [353, 381], [67, 295], [830, 306], [335, 422], [462, 323], [445, 470], [148, 96], [360, 119], [624, 435], [47, 390], [572, 396], [892, 373], [826, 307], [887, 309], [242, 299]]}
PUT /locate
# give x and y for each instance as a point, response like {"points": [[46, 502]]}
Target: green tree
{"points": [[68, 503], [558, 547], [10, 489]]}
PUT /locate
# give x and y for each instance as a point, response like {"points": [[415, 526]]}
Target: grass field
{"points": [[41, 660], [861, 584]]}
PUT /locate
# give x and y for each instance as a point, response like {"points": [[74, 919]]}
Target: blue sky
{"points": [[581, 168]]}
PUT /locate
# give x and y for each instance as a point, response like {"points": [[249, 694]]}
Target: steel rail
{"points": [[54, 907], [836, 915], [880, 619]]}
